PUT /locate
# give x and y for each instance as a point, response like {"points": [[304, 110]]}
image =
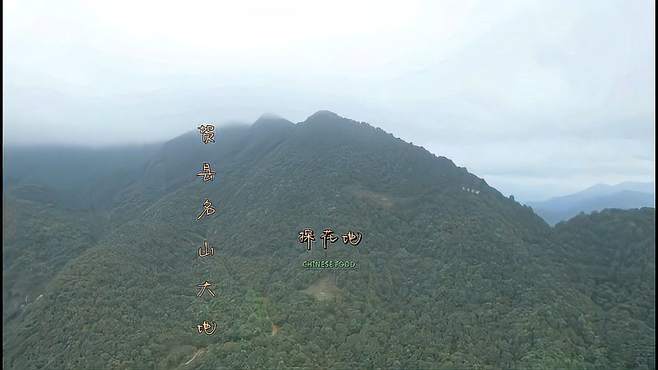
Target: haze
{"points": [[540, 98]]}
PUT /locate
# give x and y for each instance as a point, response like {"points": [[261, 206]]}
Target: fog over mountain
{"points": [[540, 98], [391, 184]]}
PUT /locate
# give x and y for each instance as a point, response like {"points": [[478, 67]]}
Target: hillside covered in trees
{"points": [[100, 266]]}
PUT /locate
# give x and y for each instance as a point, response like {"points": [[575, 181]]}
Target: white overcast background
{"points": [[540, 98]]}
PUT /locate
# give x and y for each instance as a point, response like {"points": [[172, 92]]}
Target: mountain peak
{"points": [[323, 114], [271, 119]]}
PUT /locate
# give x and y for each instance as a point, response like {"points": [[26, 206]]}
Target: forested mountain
{"points": [[449, 273]]}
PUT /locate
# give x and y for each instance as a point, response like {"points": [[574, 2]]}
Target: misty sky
{"points": [[539, 98]]}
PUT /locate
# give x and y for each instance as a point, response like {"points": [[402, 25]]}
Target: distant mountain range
{"points": [[626, 195]]}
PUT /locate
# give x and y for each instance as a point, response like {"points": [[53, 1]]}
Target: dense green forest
{"points": [[100, 267]]}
